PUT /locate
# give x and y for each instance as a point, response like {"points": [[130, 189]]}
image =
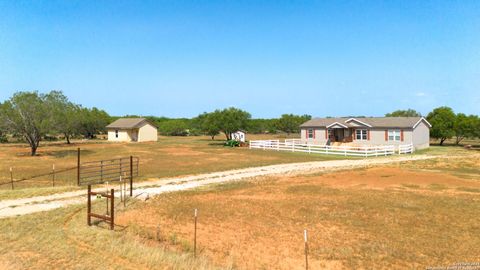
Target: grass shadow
{"points": [[67, 153]]}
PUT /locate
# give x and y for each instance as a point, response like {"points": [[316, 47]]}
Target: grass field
{"points": [[170, 156], [409, 215]]}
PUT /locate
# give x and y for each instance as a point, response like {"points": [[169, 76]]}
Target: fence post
{"points": [[195, 235], [293, 146], [89, 205], [53, 175], [157, 236], [101, 170], [306, 248], [131, 176], [112, 209], [121, 189], [120, 168], [78, 166], [106, 193], [11, 176]]}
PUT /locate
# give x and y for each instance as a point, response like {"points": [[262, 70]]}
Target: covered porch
{"points": [[338, 132]]}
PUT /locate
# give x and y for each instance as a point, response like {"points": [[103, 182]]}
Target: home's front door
{"points": [[338, 134]]}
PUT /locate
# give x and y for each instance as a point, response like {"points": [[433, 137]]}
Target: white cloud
{"points": [[420, 94]]}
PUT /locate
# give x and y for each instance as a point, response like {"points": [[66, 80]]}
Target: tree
{"points": [[27, 114], [464, 127], [64, 114], [230, 120], [260, 126], [290, 123], [404, 113], [208, 123], [92, 121], [442, 120], [174, 127]]}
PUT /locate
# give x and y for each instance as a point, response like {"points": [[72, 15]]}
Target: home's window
{"points": [[394, 135], [361, 134], [310, 133], [116, 133]]}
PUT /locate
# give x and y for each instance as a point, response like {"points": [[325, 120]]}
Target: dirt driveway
{"points": [[10, 208]]}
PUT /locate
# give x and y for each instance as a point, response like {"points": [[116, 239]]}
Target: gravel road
{"points": [[10, 208]]}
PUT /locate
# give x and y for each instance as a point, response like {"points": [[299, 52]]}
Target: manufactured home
{"points": [[367, 131], [132, 130]]}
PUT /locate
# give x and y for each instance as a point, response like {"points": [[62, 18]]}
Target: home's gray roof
{"points": [[127, 123], [388, 122]]}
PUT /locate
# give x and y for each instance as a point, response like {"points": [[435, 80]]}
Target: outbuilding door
{"points": [[134, 135]]}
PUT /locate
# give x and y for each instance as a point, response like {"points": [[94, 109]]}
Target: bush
{"points": [[3, 138], [232, 143]]}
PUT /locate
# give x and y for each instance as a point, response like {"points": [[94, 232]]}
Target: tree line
{"points": [[226, 121], [33, 117]]}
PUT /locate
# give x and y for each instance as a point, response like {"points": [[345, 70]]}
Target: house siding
{"points": [[421, 136], [123, 135], [418, 137], [318, 138], [147, 133], [377, 137]]}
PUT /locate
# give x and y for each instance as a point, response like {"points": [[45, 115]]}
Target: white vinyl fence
{"points": [[295, 145]]}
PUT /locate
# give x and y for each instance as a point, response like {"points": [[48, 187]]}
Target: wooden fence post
{"points": [[106, 193], [112, 209], [78, 166], [53, 175], [11, 176], [306, 248], [195, 236], [131, 176], [89, 206]]}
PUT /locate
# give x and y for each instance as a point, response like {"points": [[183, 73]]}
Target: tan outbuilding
{"points": [[132, 130]]}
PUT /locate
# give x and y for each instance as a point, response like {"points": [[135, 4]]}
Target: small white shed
{"points": [[239, 136], [132, 130]]}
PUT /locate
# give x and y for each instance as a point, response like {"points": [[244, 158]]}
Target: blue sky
{"points": [[180, 58]]}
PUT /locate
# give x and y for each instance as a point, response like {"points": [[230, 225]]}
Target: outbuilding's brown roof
{"points": [[128, 123], [382, 122]]}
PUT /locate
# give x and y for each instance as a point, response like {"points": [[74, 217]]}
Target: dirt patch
{"points": [[356, 219], [382, 178]]}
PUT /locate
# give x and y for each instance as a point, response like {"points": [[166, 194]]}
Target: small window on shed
{"points": [[310, 133], [116, 133]]}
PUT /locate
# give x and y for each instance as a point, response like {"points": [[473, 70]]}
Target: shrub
{"points": [[232, 143]]}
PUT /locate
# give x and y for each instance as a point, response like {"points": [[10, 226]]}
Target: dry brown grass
{"points": [[409, 215], [368, 219], [170, 156]]}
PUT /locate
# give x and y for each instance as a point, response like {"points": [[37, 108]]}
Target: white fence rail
{"points": [[405, 149], [295, 145]]}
